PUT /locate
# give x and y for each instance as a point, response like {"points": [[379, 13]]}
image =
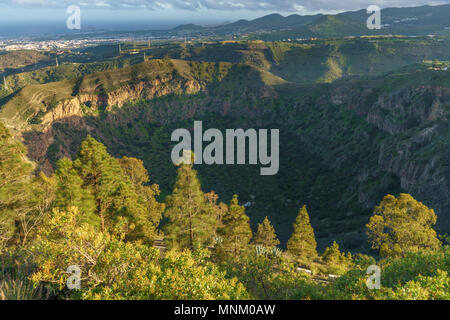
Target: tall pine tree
{"points": [[302, 243], [70, 192], [235, 231], [192, 223], [217, 209], [109, 195], [148, 220], [103, 175]]}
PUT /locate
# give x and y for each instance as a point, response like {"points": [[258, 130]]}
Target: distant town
{"points": [[49, 45]]}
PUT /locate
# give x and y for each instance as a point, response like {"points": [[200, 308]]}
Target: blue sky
{"points": [[159, 12]]}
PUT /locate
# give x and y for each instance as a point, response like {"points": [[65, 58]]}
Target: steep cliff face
{"points": [[417, 120], [72, 112], [89, 103]]}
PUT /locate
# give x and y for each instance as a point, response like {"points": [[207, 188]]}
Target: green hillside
{"points": [[411, 21], [324, 132], [20, 58], [322, 61]]}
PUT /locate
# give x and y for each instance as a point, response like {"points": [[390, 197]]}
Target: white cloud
{"points": [[300, 6]]}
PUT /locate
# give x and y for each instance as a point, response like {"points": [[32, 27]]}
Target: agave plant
{"points": [[20, 288], [15, 284]]}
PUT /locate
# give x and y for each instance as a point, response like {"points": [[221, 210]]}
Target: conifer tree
{"points": [[401, 225], [117, 201], [265, 236], [235, 232], [149, 220], [103, 175], [71, 193], [332, 254], [218, 209], [337, 261], [191, 221], [302, 243]]}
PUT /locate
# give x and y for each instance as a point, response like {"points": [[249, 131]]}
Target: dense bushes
{"points": [[101, 215], [418, 275]]}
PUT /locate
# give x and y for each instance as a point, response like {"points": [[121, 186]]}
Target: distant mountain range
{"points": [[423, 20], [409, 21]]}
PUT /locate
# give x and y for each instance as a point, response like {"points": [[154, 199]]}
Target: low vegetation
{"points": [[100, 214]]}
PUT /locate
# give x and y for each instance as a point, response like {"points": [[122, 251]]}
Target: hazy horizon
{"points": [[29, 18]]}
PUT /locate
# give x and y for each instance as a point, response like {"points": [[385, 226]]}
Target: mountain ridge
{"points": [[420, 20]]}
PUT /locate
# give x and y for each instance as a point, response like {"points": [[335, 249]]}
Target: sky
{"points": [[172, 12]]}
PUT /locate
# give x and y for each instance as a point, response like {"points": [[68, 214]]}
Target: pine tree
{"points": [[191, 222], [122, 206], [337, 261], [71, 193], [217, 209], [235, 232], [103, 175], [302, 243], [149, 220], [401, 225], [332, 255], [265, 236]]}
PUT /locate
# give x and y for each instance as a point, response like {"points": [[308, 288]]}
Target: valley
{"points": [[155, 151], [358, 119]]}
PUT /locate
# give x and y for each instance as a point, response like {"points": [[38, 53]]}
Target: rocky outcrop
{"points": [[72, 112], [64, 109], [416, 118], [145, 90]]}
